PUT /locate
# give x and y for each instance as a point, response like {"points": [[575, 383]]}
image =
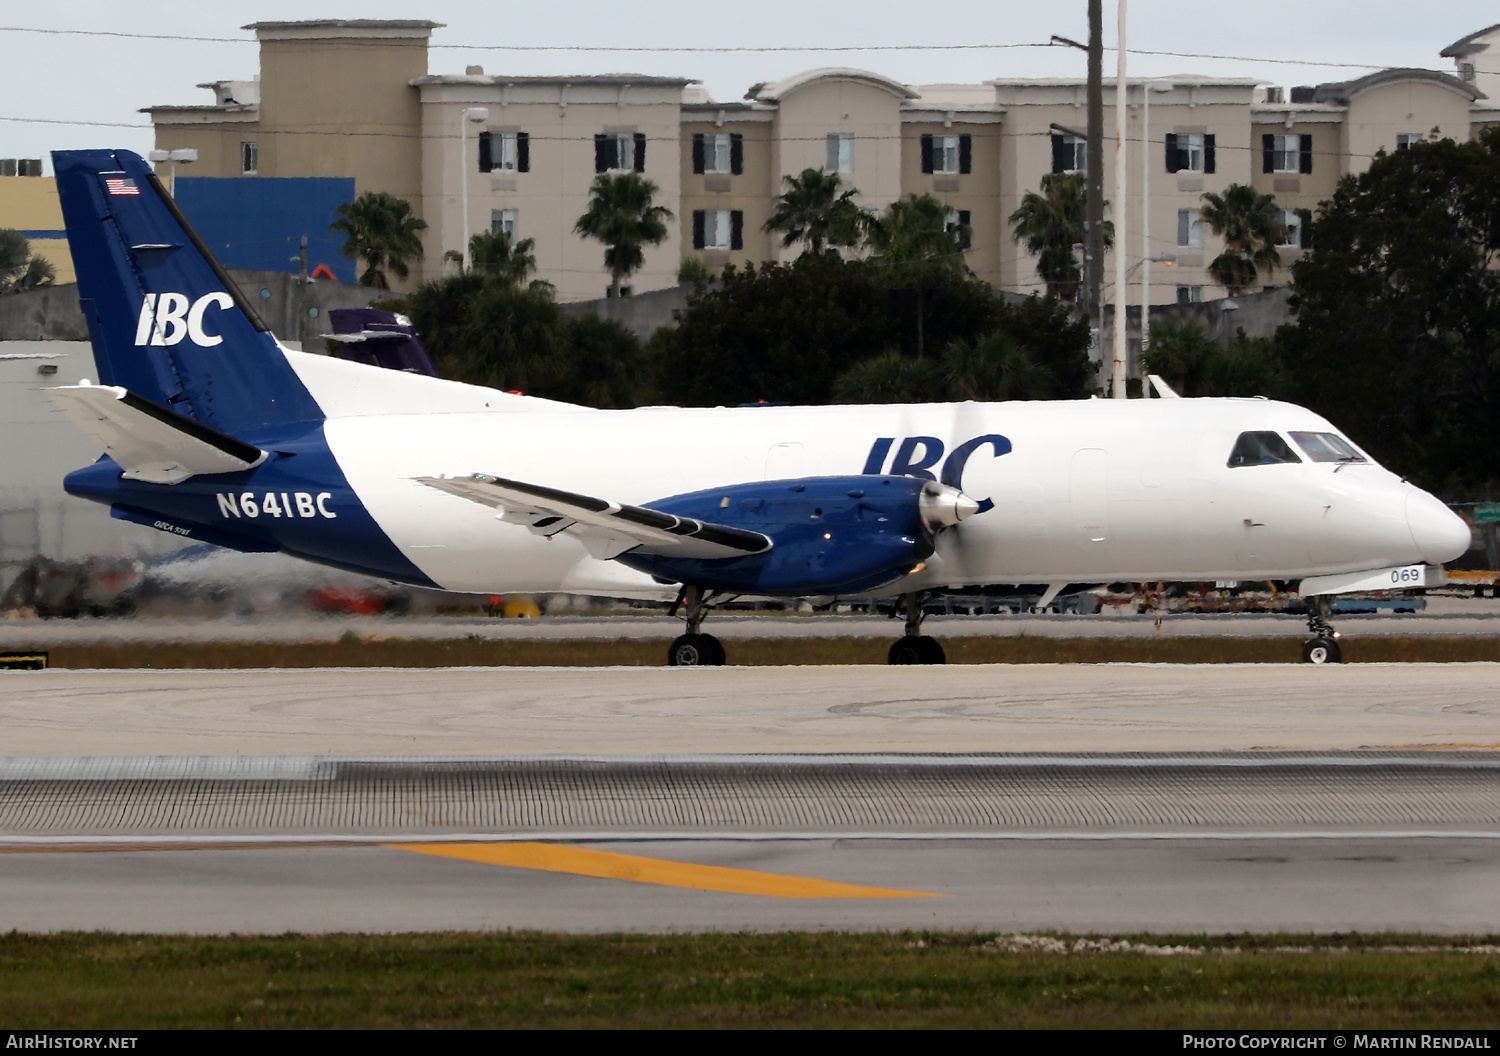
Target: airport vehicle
{"points": [[214, 431]]}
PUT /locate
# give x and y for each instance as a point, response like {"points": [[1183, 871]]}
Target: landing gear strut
{"points": [[694, 649], [915, 647], [1323, 648]]}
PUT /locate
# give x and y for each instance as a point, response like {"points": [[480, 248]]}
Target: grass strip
{"points": [[105, 981], [751, 652]]}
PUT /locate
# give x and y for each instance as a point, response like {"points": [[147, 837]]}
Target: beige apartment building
{"points": [[477, 151]]}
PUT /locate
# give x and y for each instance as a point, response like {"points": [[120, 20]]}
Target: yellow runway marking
{"points": [[554, 858]]}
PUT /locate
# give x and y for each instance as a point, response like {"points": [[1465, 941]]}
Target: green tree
{"points": [[693, 272], [493, 254], [916, 228], [1397, 332], [19, 269], [622, 216], [381, 231], [812, 210], [891, 377], [1050, 224], [1248, 222], [1194, 364]]}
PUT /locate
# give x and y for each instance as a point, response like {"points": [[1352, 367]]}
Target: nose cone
{"points": [[1440, 534]]}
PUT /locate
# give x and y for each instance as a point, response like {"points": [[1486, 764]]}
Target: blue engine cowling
{"points": [[830, 535]]}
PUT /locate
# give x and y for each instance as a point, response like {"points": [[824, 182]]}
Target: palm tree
{"points": [[621, 216], [381, 231], [916, 228], [1050, 224], [1248, 222], [496, 256], [812, 210]]}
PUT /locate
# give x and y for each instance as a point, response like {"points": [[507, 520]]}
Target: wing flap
{"points": [[607, 529], [151, 442]]}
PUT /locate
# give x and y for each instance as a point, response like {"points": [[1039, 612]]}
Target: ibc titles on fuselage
{"points": [[919, 455]]}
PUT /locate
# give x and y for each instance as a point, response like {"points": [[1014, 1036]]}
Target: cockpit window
{"points": [[1261, 449], [1327, 447]]}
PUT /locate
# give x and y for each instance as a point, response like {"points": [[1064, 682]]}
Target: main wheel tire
{"points": [[1321, 651], [916, 649], [695, 650]]}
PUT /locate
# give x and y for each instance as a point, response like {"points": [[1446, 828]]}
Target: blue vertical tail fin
{"points": [[165, 319]]}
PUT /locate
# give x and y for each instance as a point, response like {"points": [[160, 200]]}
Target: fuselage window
{"points": [[1328, 447], [1261, 449]]}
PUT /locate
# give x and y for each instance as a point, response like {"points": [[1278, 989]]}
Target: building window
{"points": [[840, 152], [1290, 219], [957, 224], [1285, 153], [620, 152], [1189, 294], [1190, 228], [249, 158], [1406, 139], [718, 229], [503, 220], [1070, 154], [1190, 152], [504, 152], [717, 152], [947, 154]]}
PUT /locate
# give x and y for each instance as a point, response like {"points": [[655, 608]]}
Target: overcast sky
{"points": [[85, 91]]}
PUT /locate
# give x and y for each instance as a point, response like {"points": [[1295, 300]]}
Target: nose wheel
{"points": [[1324, 647], [915, 647], [695, 649]]}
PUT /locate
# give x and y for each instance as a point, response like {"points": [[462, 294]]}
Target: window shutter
{"points": [[1268, 153], [602, 151], [523, 152], [486, 152], [1208, 153], [926, 153], [697, 228], [1305, 159], [697, 152], [1057, 154], [1305, 215], [640, 152], [963, 222], [737, 229], [1174, 160], [965, 153], [736, 154]]}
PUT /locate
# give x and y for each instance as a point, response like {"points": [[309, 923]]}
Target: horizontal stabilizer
{"points": [[607, 529], [150, 442]]}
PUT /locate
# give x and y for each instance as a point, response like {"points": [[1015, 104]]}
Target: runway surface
{"points": [[1009, 798], [664, 711]]}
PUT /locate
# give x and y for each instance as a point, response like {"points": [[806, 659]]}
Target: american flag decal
{"points": [[120, 185]]}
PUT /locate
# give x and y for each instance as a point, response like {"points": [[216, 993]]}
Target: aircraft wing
{"points": [[606, 529], [151, 442]]}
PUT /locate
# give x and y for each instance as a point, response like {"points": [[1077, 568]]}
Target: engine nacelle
{"points": [[830, 535]]}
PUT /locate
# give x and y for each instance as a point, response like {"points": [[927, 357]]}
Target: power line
{"points": [[617, 49]]}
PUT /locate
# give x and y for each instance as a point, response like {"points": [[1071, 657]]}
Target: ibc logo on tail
{"points": [[167, 318]]}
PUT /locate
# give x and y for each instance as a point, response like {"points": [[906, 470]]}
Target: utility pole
{"points": [[1094, 254], [302, 296], [1122, 116]]}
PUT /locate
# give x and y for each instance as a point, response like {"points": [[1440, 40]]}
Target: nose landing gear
{"points": [[915, 647], [694, 649], [1323, 648]]}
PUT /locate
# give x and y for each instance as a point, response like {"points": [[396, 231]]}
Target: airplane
{"points": [[215, 432]]}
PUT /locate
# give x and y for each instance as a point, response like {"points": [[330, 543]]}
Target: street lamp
{"points": [[183, 155], [1160, 87], [478, 115]]}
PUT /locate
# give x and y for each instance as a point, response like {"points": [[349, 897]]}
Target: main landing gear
{"points": [[915, 647], [694, 649], [1323, 648]]}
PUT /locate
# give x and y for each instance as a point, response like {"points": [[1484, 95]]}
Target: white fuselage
{"points": [[1090, 490]]}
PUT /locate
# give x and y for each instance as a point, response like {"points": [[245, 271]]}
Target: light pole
{"points": [[1093, 258], [1117, 374], [183, 155], [478, 115], [1160, 87]]}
